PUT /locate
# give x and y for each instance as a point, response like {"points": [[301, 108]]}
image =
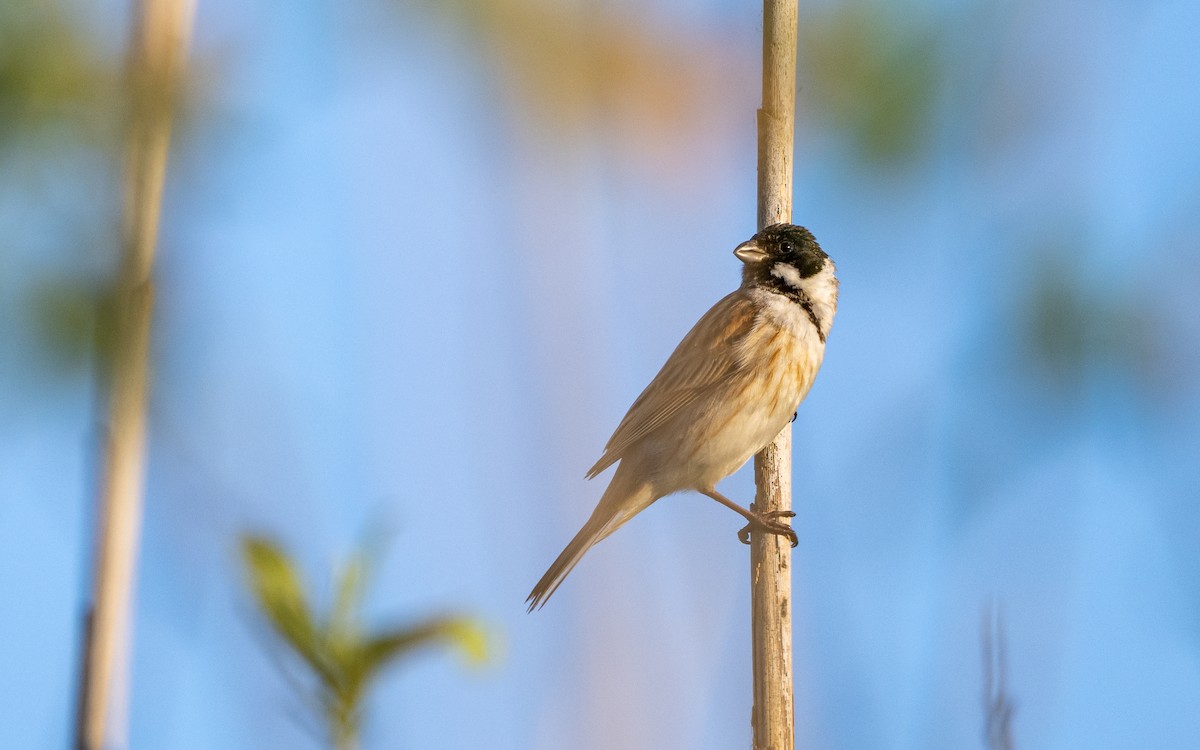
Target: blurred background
{"points": [[419, 256]]}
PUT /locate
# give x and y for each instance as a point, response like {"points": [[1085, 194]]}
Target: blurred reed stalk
{"points": [[997, 703], [770, 554], [155, 69]]}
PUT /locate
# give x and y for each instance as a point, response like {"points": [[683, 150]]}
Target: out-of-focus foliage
{"points": [[1071, 330], [572, 67], [866, 72], [74, 320], [344, 658], [874, 77], [60, 111], [50, 76]]}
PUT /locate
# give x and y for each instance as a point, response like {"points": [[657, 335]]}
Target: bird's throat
{"points": [[778, 285]]}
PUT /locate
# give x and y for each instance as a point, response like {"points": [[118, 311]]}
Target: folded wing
{"points": [[704, 359]]}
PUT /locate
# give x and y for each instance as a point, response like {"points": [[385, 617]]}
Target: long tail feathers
{"points": [[619, 504]]}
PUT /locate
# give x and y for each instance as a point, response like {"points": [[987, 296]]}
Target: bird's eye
{"points": [[786, 247]]}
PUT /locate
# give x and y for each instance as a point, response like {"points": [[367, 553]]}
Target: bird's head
{"points": [[786, 259]]}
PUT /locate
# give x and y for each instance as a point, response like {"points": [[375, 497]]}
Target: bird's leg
{"points": [[766, 522], [758, 521]]}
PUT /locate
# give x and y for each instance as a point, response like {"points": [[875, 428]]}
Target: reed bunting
{"points": [[725, 392]]}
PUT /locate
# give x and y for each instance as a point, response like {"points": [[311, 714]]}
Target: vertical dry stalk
{"points": [[770, 554], [997, 703], [162, 28]]}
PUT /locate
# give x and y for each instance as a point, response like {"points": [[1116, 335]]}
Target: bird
{"points": [[723, 395]]}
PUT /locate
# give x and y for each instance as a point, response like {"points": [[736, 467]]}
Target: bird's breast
{"points": [[778, 368]]}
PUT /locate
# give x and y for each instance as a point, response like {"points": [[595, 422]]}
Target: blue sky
{"points": [[394, 295]]}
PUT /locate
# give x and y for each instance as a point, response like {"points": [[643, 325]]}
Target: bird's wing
{"points": [[708, 355]]}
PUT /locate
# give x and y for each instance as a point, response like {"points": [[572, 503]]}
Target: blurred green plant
{"points": [[343, 657], [874, 77], [1069, 329], [64, 109], [74, 320], [869, 71], [50, 74], [61, 107]]}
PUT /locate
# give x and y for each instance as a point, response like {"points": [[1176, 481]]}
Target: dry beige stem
{"points": [[155, 70], [770, 554]]}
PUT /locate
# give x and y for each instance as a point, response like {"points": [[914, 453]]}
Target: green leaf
{"points": [[343, 619], [276, 586], [472, 641], [463, 633], [344, 658]]}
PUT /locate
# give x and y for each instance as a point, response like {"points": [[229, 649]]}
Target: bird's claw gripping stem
{"points": [[766, 522]]}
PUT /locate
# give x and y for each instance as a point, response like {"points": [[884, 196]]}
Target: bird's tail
{"points": [[624, 498]]}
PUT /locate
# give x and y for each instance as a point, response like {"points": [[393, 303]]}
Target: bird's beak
{"points": [[750, 252]]}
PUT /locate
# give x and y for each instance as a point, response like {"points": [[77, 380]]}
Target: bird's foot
{"points": [[766, 522]]}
